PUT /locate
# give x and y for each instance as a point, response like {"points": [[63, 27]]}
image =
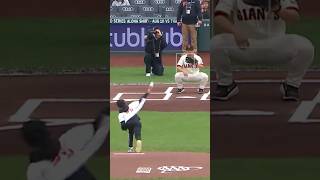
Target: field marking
{"points": [[127, 154], [205, 97], [304, 110], [214, 81], [243, 113], [29, 106], [186, 97], [168, 94], [266, 81], [51, 122], [169, 90], [25, 110], [117, 97], [10, 127]]}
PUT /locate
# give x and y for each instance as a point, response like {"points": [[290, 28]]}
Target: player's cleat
{"points": [[200, 91], [180, 90], [224, 93], [289, 92], [131, 150], [139, 146], [148, 74]]}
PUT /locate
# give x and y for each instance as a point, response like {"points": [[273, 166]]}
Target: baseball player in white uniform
{"points": [[254, 32], [63, 158], [188, 70], [129, 120]]}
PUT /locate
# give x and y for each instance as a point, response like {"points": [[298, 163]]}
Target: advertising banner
{"points": [[130, 37]]}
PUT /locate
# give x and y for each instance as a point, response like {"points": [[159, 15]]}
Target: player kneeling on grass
{"points": [[257, 35], [63, 158], [188, 68], [129, 120]]}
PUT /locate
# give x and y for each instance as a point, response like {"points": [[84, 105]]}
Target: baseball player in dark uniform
{"points": [[129, 119]]}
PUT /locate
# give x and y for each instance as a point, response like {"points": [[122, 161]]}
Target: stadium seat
{"points": [[169, 11], [140, 2], [114, 9], [114, 12], [148, 11], [126, 10], [175, 3], [157, 15], [135, 15], [159, 2]]}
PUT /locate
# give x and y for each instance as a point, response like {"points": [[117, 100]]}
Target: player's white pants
{"points": [[295, 51], [201, 78]]}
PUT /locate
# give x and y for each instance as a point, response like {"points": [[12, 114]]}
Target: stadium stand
{"points": [[114, 12], [147, 8]]}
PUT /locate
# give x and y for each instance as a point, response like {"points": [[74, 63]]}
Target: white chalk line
{"points": [[186, 97], [167, 95], [51, 122], [214, 81], [127, 154], [243, 113]]}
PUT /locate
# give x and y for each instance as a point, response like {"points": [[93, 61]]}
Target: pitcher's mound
{"points": [[160, 164]]}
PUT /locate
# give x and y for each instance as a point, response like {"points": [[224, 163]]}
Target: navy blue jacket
{"points": [[195, 12]]}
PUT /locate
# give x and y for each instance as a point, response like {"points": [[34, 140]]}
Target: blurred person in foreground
{"points": [[63, 158]]}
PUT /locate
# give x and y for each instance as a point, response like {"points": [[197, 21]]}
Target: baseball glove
{"points": [[191, 60], [274, 4]]}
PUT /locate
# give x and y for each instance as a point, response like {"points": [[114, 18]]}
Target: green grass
{"points": [[266, 169], [53, 43], [166, 131], [15, 167], [181, 178], [137, 75]]}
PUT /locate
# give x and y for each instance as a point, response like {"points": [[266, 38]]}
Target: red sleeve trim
{"points": [[221, 13]]}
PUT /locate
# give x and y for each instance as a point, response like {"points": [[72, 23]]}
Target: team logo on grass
{"points": [[143, 170], [172, 169]]}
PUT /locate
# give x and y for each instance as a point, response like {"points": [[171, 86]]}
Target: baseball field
{"points": [[173, 126], [253, 137]]}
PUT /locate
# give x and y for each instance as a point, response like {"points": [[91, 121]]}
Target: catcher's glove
{"points": [[265, 4], [191, 60]]}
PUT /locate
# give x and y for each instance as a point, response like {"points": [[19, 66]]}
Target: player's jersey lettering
{"points": [[253, 14], [255, 22], [189, 66], [192, 69]]}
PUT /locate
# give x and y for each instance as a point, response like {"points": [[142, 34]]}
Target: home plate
{"points": [[185, 97], [243, 113]]}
